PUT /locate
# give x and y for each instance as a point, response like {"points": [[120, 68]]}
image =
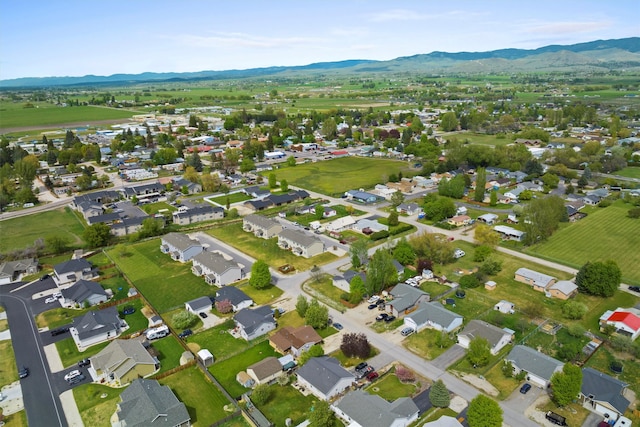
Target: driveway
{"points": [[422, 400], [449, 357], [520, 402]]}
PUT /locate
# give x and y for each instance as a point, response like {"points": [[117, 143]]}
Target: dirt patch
{"points": [[193, 347], [478, 383], [535, 414]]}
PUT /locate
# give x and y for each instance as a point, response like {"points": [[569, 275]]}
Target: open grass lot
{"points": [[629, 172], [479, 138], [226, 370], [69, 354], [8, 368], [389, 387], [220, 342], [425, 343], [18, 233], [17, 419], [505, 385], [52, 115], [96, 410], [153, 208], [287, 402], [165, 283], [266, 250], [336, 176], [203, 400], [606, 233], [57, 317], [235, 197], [573, 412], [170, 351], [260, 296]]}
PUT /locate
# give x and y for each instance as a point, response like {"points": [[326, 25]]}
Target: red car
{"points": [[372, 375]]}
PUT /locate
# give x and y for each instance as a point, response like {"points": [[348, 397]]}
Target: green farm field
{"points": [[606, 233], [52, 115], [18, 233], [336, 176]]}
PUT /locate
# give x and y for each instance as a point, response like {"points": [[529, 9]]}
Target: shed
{"points": [[490, 285], [205, 357]]}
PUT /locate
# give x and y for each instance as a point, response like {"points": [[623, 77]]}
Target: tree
{"points": [[272, 180], [533, 168], [481, 181], [247, 165], [439, 395], [439, 208], [261, 394], [542, 218], [393, 219], [491, 266], [481, 253], [184, 319], [317, 315], [291, 161], [566, 385], [397, 199], [404, 253], [428, 246], [356, 289], [355, 345], [453, 187], [550, 180], [316, 273], [321, 415], [194, 161], [486, 236], [479, 351], [302, 304], [284, 185], [319, 212], [599, 278], [493, 198], [57, 244], [449, 122], [359, 252], [224, 306], [97, 235], [150, 227], [260, 275], [315, 350], [210, 182], [191, 175], [380, 272], [484, 412], [574, 310]]}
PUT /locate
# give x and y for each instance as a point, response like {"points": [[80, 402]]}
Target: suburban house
{"points": [[185, 186], [97, 326], [84, 293], [198, 214], [409, 208], [539, 281], [406, 299], [180, 246], [459, 220], [69, 272], [300, 243], [625, 320], [369, 225], [261, 226], [127, 226], [434, 316], [603, 394], [509, 233], [198, 305], [538, 366], [146, 402], [361, 196], [265, 371], [12, 271], [121, 362], [488, 218], [144, 191], [341, 224], [254, 323], [360, 409], [294, 340], [444, 421], [563, 289], [324, 377], [498, 338], [216, 269], [236, 297], [344, 282]]}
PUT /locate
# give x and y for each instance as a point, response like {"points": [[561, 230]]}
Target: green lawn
{"points": [[203, 400], [504, 385], [221, 343], [602, 359], [479, 138], [96, 403], [170, 351], [18, 233], [336, 176], [425, 343], [226, 370], [286, 402], [69, 354], [236, 197], [8, 368], [389, 387], [260, 296], [53, 115], [606, 233], [629, 172], [266, 250], [57, 317], [165, 283]]}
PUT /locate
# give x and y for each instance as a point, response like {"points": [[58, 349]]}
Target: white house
{"points": [[180, 246], [324, 377], [625, 320], [497, 338], [538, 366], [216, 269], [434, 316]]}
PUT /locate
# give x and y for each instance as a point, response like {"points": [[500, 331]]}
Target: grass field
{"points": [[18, 233], [165, 283], [96, 403], [479, 138], [390, 388], [51, 115], [336, 176], [287, 402], [604, 234], [629, 172], [8, 368]]}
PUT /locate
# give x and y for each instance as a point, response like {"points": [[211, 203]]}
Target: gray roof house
{"points": [[236, 297], [121, 362], [324, 377], [265, 371], [97, 326], [300, 243], [146, 402], [603, 393], [12, 271], [71, 271], [198, 305], [497, 338], [84, 292], [216, 269], [405, 299], [344, 282], [359, 408], [539, 281], [538, 366], [261, 226], [433, 315], [255, 323], [180, 246], [198, 214], [409, 208], [488, 218]]}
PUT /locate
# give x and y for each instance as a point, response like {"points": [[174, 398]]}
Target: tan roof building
{"points": [[294, 340]]}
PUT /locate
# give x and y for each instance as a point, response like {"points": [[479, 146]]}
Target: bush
{"points": [[405, 375], [355, 345], [469, 281], [574, 310], [184, 319], [481, 253], [491, 266], [604, 203], [400, 228], [224, 306], [576, 330], [439, 395], [261, 394], [379, 235], [634, 213]]}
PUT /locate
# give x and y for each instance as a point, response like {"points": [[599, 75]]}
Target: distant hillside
{"points": [[599, 55]]}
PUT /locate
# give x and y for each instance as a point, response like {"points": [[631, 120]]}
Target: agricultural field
{"points": [[334, 177], [51, 115], [606, 233], [18, 233]]}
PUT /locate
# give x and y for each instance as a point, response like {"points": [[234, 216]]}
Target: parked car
{"points": [[76, 379], [24, 372], [372, 306], [59, 331], [185, 333], [203, 314], [525, 388], [83, 363], [128, 310], [361, 366], [50, 300], [44, 277], [338, 326], [459, 253], [390, 318], [72, 374], [381, 316], [372, 375], [634, 288], [407, 331], [373, 299]]}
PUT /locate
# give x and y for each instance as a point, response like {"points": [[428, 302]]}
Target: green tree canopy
{"points": [[317, 315], [542, 218], [484, 412], [439, 395], [566, 385], [260, 275], [599, 278], [380, 272], [97, 235], [479, 351]]}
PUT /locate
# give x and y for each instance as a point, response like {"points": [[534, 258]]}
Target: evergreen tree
{"points": [[439, 395], [481, 181]]}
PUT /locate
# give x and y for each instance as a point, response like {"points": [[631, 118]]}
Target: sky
{"points": [[42, 38]]}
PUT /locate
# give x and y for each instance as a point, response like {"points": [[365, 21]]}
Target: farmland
{"points": [[604, 234], [336, 176], [49, 115]]}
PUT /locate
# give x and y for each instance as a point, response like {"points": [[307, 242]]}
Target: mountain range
{"points": [[595, 56]]}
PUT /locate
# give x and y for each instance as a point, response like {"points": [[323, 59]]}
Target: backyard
{"points": [[96, 403], [286, 402]]}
